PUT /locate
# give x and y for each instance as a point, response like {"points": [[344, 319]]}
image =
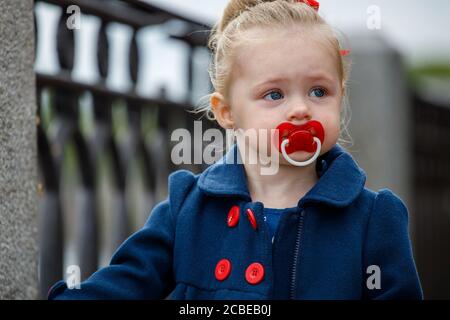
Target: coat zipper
{"points": [[296, 254]]}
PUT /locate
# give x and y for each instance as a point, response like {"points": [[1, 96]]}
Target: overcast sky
{"points": [[420, 29]]}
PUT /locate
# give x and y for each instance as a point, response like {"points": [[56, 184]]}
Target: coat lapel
{"points": [[340, 183]]}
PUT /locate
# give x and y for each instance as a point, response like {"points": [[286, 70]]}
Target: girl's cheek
{"points": [[332, 135]]}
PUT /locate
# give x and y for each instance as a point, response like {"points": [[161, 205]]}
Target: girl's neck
{"points": [[283, 189]]}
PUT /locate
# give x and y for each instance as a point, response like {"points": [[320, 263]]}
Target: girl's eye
{"points": [[317, 93], [275, 95]]}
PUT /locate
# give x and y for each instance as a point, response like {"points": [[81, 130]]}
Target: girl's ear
{"points": [[222, 111]]}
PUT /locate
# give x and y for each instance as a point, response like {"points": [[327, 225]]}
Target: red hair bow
{"points": [[312, 3], [315, 5]]}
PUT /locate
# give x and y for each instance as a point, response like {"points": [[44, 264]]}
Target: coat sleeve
{"points": [[142, 267], [388, 246]]}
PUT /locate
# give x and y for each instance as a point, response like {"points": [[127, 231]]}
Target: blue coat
{"points": [[322, 251]]}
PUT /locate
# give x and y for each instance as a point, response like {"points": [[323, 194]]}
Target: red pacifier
{"points": [[306, 137]]}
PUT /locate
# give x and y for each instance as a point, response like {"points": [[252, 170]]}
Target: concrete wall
{"points": [[18, 152], [381, 114]]}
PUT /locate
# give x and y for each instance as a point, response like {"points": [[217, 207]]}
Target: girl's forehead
{"points": [[261, 34], [287, 53]]}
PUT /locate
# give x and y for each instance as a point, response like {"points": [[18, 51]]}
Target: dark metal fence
{"points": [[99, 184], [431, 195]]}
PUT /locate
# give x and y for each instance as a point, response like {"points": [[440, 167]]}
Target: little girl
{"points": [[310, 230]]}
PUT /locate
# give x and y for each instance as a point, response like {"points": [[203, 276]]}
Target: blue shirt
{"points": [[325, 250], [272, 217]]}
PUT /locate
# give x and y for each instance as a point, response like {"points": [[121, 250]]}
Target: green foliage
{"points": [[435, 70]]}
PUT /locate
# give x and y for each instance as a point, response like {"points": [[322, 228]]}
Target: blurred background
{"points": [[115, 81]]}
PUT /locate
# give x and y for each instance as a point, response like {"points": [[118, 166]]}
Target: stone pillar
{"points": [[381, 114], [18, 152]]}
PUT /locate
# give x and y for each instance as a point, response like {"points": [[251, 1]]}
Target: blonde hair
{"points": [[242, 15]]}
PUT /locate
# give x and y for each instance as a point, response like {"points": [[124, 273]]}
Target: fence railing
{"points": [[103, 153], [431, 195]]}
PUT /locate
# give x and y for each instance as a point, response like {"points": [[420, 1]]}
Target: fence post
{"points": [[381, 114], [18, 153]]}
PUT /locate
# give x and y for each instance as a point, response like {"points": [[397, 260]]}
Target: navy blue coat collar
{"points": [[340, 183]]}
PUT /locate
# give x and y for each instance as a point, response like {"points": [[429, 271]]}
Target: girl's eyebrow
{"points": [[320, 76], [273, 80], [312, 76]]}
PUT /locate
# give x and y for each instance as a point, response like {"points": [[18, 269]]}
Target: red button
{"points": [[233, 216], [254, 273], [251, 217], [223, 269]]}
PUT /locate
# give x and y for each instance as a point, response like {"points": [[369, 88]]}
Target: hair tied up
{"points": [[312, 3]]}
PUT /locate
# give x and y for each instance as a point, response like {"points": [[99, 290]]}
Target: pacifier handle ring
{"points": [[300, 163]]}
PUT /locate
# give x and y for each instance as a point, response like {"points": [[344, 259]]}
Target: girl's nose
{"points": [[298, 111]]}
